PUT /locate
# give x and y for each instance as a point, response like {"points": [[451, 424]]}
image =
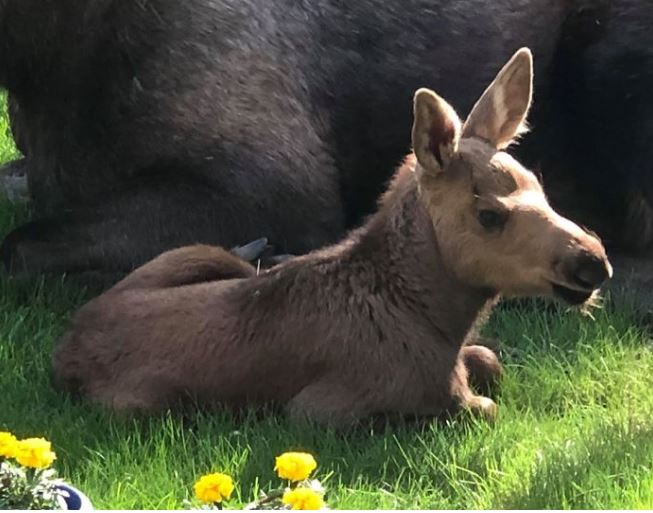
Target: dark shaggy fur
{"points": [[152, 124]]}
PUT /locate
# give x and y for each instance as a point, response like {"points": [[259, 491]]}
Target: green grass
{"points": [[7, 147], [575, 427]]}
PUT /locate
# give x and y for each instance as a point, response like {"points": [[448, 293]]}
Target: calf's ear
{"points": [[500, 113], [436, 130]]}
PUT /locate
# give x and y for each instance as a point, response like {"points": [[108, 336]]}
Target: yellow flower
{"points": [[35, 453], [303, 498], [213, 488], [295, 466], [7, 445]]}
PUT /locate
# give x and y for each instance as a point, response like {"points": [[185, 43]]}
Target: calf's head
{"points": [[494, 226]]}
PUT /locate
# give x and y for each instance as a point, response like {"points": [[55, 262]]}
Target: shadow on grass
{"points": [[565, 473]]}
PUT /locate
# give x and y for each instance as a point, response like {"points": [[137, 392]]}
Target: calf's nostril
{"points": [[591, 271]]}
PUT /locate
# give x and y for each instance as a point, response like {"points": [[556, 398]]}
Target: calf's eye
{"points": [[491, 219]]}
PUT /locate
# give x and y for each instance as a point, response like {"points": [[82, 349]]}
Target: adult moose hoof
{"points": [[46, 248], [28, 249], [17, 252]]}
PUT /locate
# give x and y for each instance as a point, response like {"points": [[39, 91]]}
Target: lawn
{"points": [[575, 427]]}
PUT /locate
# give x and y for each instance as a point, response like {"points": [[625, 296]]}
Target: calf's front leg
{"points": [[463, 397], [484, 371], [330, 402]]}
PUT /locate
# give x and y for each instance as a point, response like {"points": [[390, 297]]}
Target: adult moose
{"points": [[373, 325], [152, 124]]}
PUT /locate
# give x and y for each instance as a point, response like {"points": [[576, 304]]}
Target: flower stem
{"points": [[273, 496]]}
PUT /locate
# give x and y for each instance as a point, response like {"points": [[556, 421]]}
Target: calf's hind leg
{"points": [[185, 266], [462, 395], [141, 391]]}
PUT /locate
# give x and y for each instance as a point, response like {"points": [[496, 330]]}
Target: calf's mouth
{"points": [[571, 296]]}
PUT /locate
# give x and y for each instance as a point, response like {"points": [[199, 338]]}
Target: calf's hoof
{"points": [[484, 407], [251, 251], [279, 259], [261, 253]]}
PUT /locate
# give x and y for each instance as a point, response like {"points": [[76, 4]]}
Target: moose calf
{"points": [[374, 325]]}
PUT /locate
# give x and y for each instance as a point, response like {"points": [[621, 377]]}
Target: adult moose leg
{"points": [[121, 234], [133, 227]]}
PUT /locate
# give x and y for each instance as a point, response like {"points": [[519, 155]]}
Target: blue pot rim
{"points": [[72, 498]]}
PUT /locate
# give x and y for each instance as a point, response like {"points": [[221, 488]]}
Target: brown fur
{"points": [[373, 325]]}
